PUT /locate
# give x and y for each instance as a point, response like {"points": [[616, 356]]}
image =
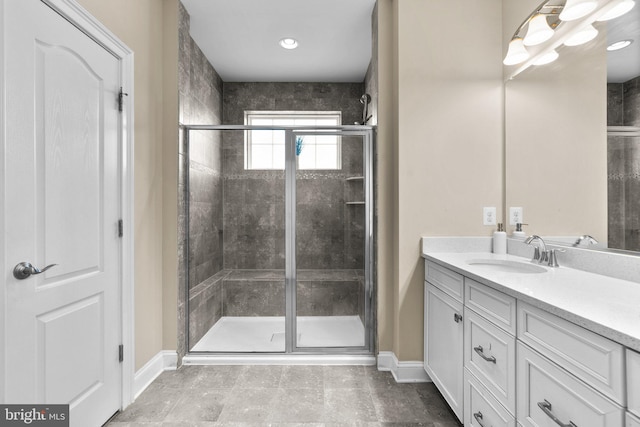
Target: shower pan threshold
{"points": [[266, 333]]}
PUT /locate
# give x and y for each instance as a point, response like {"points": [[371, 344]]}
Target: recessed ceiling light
{"points": [[289, 43], [619, 45]]}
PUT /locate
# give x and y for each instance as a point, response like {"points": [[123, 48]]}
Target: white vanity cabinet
{"points": [[633, 385], [443, 328], [490, 343], [632, 420], [502, 362]]}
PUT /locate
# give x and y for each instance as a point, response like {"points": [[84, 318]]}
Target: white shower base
{"points": [[266, 334]]}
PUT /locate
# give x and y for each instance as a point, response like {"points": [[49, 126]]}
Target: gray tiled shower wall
{"points": [[623, 175], [237, 217], [200, 102]]}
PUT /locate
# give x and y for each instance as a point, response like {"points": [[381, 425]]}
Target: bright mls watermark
{"points": [[34, 415]]}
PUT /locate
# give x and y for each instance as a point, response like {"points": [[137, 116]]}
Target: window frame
{"points": [[249, 116]]}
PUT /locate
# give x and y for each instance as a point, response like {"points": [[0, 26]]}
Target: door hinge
{"points": [[120, 228], [121, 353], [121, 96]]}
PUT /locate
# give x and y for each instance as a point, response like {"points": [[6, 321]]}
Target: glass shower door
{"points": [[331, 245]]}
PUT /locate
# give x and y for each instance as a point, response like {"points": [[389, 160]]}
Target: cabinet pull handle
{"points": [[546, 408], [457, 317], [478, 417], [480, 351]]}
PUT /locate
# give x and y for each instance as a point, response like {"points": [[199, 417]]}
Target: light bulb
{"points": [[619, 45], [516, 52], [538, 31], [581, 37], [289, 43], [576, 9]]}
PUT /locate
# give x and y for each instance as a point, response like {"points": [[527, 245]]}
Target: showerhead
{"points": [[365, 99]]}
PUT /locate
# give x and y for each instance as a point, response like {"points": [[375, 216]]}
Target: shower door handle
{"points": [[24, 270]]}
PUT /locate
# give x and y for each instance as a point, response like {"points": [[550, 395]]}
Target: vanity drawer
{"points": [[589, 356], [494, 305], [543, 386], [633, 385], [481, 409], [446, 280], [490, 354], [632, 421]]}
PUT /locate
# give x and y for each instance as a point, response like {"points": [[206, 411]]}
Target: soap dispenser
{"points": [[518, 233], [500, 240]]}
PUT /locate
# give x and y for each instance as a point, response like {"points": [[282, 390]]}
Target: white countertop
{"points": [[602, 304]]}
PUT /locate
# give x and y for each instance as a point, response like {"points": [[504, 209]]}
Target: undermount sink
{"points": [[507, 266]]}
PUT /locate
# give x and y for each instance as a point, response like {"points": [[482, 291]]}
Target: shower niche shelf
{"points": [[351, 190]]}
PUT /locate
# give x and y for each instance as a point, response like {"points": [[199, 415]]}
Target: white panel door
{"points": [[62, 192]]}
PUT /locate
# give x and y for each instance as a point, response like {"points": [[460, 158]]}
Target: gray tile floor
{"points": [[205, 396]]}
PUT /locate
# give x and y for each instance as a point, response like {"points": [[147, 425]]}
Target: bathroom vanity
{"points": [[511, 343]]}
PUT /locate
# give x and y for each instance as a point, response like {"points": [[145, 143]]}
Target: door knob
{"points": [[25, 269]]}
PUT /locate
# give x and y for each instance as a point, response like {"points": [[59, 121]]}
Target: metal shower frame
{"points": [[291, 132]]}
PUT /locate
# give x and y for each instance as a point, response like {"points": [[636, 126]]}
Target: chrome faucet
{"points": [[586, 238], [538, 255], [541, 254]]}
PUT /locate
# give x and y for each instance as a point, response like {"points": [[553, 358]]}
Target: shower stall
{"points": [[279, 249]]}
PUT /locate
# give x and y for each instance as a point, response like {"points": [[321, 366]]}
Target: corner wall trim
{"points": [[166, 360], [403, 372]]}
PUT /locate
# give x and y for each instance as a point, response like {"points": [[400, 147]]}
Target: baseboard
{"points": [[165, 360], [403, 372], [283, 359]]}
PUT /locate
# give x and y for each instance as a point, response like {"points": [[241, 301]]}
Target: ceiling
{"points": [[240, 38], [624, 64]]}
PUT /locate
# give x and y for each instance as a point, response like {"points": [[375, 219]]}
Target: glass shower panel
{"points": [[330, 242], [236, 246], [623, 181]]}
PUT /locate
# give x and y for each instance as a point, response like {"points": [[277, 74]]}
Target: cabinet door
{"points": [[632, 421], [548, 396], [490, 354], [481, 409], [443, 351], [633, 382]]}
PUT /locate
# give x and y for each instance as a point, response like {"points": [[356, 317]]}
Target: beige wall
{"points": [[385, 175], [446, 139], [141, 25]]}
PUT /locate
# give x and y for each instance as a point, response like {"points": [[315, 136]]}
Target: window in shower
{"points": [[264, 149]]}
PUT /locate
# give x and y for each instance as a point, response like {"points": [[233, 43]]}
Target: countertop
{"points": [[605, 305]]}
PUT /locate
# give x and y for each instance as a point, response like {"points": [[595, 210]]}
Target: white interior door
{"points": [[61, 206]]}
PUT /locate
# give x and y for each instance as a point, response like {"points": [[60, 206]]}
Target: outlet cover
{"points": [[489, 216], [515, 216]]}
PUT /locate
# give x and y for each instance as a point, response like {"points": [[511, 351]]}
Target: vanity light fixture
{"points": [[516, 52], [289, 43], [622, 7], [576, 9], [547, 58], [540, 26], [539, 31], [587, 34], [619, 45]]}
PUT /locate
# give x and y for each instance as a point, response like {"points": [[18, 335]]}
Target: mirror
{"points": [[561, 167]]}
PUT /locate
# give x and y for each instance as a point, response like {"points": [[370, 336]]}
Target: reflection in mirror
{"points": [[557, 147], [623, 137]]}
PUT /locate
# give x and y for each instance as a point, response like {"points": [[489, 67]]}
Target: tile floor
{"points": [[207, 396]]}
